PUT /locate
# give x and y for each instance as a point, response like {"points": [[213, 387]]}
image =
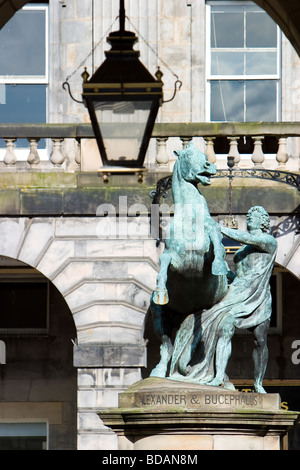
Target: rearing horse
{"points": [[193, 270]]}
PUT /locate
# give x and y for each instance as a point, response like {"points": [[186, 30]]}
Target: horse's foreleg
{"points": [[219, 265], [160, 295], [163, 332]]}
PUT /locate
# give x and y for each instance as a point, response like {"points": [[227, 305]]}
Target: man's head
{"points": [[257, 216]]}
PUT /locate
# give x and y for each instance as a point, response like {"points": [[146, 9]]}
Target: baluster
{"points": [[258, 156], [282, 155], [33, 157], [57, 157], [185, 141], [209, 150], [10, 158], [162, 157], [233, 150]]}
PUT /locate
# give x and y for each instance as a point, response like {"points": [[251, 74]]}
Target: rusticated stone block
{"points": [[95, 355]]}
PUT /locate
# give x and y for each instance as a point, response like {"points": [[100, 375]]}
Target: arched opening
{"points": [[38, 383], [286, 15]]}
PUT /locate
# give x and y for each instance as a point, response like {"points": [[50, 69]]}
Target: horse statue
{"points": [[193, 270]]}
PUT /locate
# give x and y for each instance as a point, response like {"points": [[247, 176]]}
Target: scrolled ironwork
{"points": [[292, 179], [286, 177], [162, 187]]}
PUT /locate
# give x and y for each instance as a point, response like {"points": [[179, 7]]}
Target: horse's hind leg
{"points": [[160, 295], [163, 332]]}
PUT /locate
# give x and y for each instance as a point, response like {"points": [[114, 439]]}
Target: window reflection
{"points": [[227, 63], [260, 100], [227, 30], [240, 100], [23, 69], [227, 100], [261, 31], [244, 66], [23, 104], [22, 44], [261, 63]]}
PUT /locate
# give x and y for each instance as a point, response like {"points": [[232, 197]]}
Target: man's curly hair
{"points": [[265, 218]]}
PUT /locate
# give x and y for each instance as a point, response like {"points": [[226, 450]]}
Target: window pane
{"points": [[23, 436], [261, 100], [227, 100], [123, 140], [23, 429], [22, 443], [227, 63], [261, 31], [261, 63], [227, 30], [22, 44], [23, 104], [17, 308]]}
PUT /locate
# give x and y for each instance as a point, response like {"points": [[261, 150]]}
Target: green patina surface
{"points": [[192, 282]]}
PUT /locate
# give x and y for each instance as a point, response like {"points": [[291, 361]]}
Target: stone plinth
{"points": [[162, 414]]}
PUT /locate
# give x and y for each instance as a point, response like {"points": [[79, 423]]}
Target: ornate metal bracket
{"points": [[162, 187], [67, 85], [292, 179]]}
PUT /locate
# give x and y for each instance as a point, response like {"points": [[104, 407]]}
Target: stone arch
{"points": [[286, 230], [288, 256], [286, 14], [8, 8], [95, 275], [39, 355], [106, 287]]}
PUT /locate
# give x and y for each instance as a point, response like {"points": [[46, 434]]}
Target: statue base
{"points": [[163, 414]]}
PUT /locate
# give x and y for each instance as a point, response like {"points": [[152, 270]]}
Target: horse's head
{"points": [[194, 166]]}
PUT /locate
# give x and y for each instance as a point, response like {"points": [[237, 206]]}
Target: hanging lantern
{"points": [[123, 100]]}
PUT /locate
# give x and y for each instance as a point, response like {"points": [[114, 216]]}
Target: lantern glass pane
{"points": [[122, 125]]}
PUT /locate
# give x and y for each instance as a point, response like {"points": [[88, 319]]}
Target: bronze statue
{"points": [[193, 270], [202, 345], [247, 305]]}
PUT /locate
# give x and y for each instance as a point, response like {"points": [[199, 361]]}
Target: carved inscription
{"points": [[162, 399], [195, 400], [232, 400]]}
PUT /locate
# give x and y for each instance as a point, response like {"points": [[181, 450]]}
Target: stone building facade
{"points": [[97, 337]]}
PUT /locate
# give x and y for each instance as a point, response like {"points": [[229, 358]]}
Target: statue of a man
{"points": [[253, 262], [203, 344]]}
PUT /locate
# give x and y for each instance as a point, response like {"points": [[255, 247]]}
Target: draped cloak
{"points": [[247, 302]]}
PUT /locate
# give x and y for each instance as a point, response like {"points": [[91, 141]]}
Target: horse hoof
{"points": [[219, 268], [160, 296]]}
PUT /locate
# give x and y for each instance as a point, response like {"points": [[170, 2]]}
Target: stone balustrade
{"points": [[64, 149], [284, 137]]}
